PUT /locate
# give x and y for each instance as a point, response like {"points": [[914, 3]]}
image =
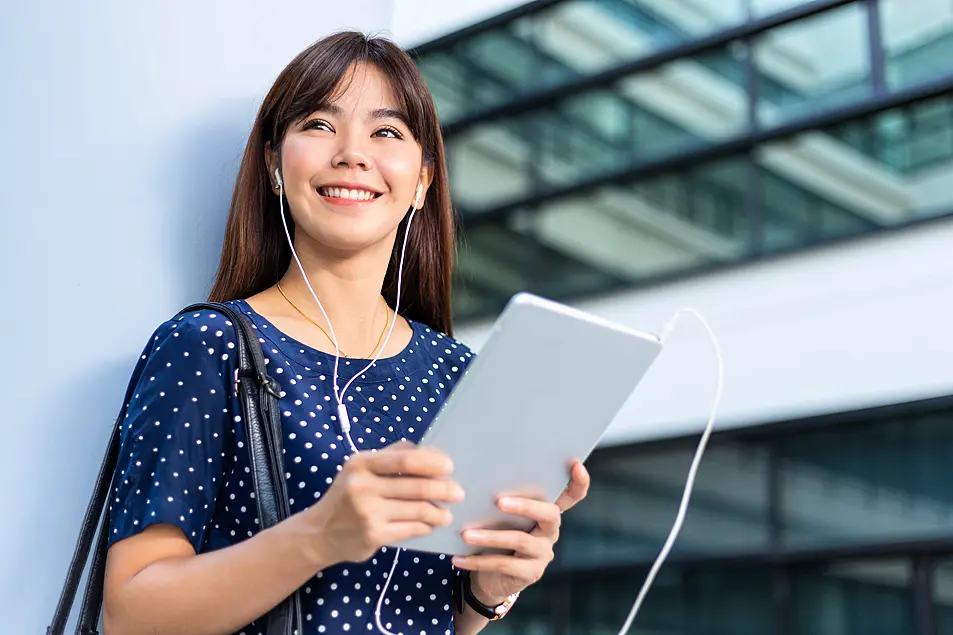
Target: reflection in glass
{"points": [[571, 39], [686, 104], [678, 107], [803, 204], [848, 597], [447, 82], [848, 179], [497, 259], [917, 39], [532, 615], [606, 238], [866, 483], [911, 142], [761, 8], [813, 65], [495, 163], [633, 501], [705, 600], [943, 596]]}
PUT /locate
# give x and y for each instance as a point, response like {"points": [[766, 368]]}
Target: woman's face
{"points": [[350, 171]]}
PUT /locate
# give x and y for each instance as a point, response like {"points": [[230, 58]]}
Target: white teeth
{"points": [[340, 192]]}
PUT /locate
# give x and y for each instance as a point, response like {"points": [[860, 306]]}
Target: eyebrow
{"points": [[378, 113]]}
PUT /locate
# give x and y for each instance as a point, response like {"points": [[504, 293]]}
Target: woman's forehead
{"points": [[363, 87]]}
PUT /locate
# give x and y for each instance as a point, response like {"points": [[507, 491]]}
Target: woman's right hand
{"points": [[380, 498]]}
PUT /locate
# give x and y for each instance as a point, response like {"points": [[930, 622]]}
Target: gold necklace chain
{"points": [[331, 339]]}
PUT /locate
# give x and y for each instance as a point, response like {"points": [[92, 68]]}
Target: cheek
{"points": [[300, 157], [401, 172]]}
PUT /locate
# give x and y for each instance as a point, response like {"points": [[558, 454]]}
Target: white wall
{"points": [[123, 123], [835, 329]]}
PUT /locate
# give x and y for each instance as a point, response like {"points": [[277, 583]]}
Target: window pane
{"points": [[807, 199], [681, 106], [844, 598], [913, 144], [508, 255], [633, 502], [532, 615], [868, 482], [447, 81], [761, 8], [491, 164], [917, 39], [813, 64], [604, 239], [706, 600], [571, 39], [880, 171], [686, 104], [943, 596]]}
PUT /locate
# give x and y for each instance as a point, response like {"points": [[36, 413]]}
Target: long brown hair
{"points": [[255, 253]]}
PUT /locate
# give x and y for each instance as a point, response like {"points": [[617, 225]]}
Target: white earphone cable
{"points": [[342, 414], [692, 471]]}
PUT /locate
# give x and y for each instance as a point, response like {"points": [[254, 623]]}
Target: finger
{"points": [[523, 544], [412, 461], [398, 531], [420, 511], [545, 514], [424, 489], [577, 489], [523, 569]]}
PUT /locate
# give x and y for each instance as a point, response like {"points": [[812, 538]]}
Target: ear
{"points": [[423, 185], [271, 160]]}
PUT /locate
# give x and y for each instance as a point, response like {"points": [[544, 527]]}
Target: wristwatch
{"points": [[464, 593]]}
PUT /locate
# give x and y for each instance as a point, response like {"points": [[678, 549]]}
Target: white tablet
{"points": [[543, 390]]}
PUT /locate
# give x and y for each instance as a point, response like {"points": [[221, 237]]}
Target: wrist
{"points": [[485, 596], [305, 534]]}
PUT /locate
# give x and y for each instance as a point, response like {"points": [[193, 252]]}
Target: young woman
{"points": [[338, 249]]}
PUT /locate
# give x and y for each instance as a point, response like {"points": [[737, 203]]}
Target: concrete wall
{"points": [[123, 125]]}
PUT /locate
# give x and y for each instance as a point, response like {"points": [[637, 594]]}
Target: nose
{"points": [[352, 155]]}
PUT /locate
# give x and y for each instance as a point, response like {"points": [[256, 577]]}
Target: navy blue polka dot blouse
{"points": [[183, 458]]}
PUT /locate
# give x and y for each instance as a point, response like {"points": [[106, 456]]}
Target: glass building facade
{"points": [[839, 525], [597, 146]]}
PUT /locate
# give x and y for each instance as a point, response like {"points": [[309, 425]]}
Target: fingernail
{"points": [[473, 534], [458, 493], [506, 503], [459, 560]]}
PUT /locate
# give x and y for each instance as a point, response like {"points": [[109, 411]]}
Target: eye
{"points": [[317, 124], [391, 133]]}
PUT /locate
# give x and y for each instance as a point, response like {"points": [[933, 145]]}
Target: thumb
{"points": [[399, 446]]}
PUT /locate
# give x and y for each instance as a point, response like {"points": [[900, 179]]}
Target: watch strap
{"points": [[465, 594]]}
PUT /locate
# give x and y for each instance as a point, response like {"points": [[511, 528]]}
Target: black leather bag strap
{"points": [[258, 394]]}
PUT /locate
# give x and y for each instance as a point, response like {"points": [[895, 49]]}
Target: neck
{"points": [[349, 290]]}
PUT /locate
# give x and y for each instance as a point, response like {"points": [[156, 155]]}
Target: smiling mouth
{"points": [[346, 194]]}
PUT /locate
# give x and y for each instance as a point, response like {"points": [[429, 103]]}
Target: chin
{"points": [[353, 240]]}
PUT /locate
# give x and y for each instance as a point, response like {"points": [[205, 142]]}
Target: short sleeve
{"points": [[178, 433]]}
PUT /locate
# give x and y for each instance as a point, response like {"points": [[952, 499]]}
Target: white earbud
{"points": [[278, 177], [418, 196]]}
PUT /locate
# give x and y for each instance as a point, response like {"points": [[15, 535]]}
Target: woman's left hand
{"points": [[496, 577]]}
